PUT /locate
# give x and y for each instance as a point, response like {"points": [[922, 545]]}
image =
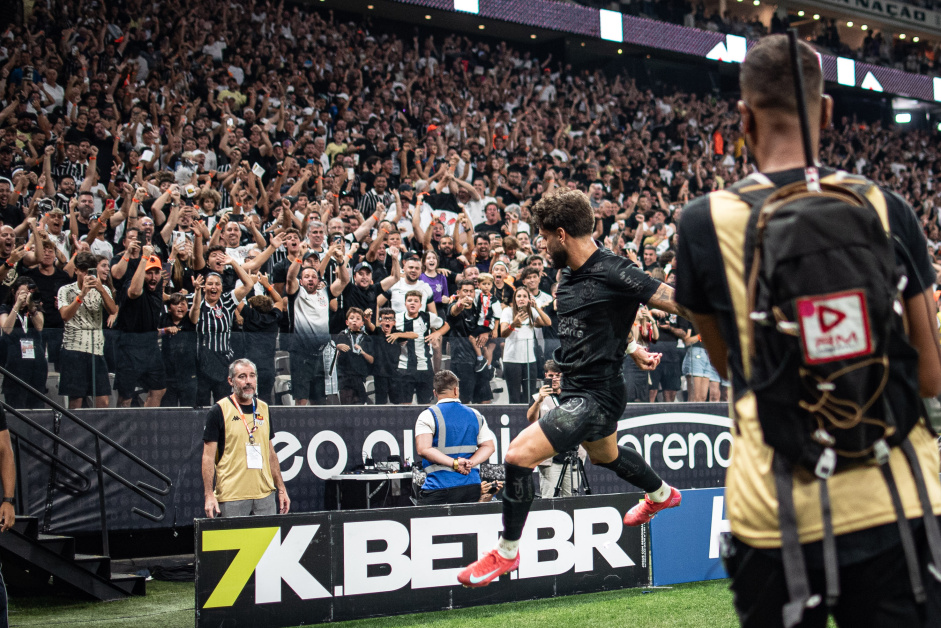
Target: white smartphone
{"points": [[147, 155]]}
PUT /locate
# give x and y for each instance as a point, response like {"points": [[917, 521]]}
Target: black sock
{"points": [[518, 495], [631, 467]]}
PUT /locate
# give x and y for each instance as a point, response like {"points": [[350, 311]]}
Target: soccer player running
{"points": [[598, 297]]}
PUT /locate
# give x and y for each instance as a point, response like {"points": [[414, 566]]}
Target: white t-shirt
{"points": [[238, 253], [398, 290], [520, 344], [426, 423], [312, 314]]}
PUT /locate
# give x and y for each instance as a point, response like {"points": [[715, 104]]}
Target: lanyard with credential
{"points": [[251, 431]]}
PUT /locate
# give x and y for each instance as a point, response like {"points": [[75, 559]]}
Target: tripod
{"points": [[574, 465]]}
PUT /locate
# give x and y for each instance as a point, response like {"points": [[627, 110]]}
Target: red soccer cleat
{"points": [[487, 569], [644, 511]]}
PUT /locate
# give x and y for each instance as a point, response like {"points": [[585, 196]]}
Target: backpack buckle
{"points": [[789, 328], [897, 307], [823, 437], [759, 317], [881, 451], [902, 284], [826, 464]]}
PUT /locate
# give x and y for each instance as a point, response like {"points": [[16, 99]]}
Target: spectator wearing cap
{"points": [[82, 306], [362, 292], [410, 281], [139, 362]]}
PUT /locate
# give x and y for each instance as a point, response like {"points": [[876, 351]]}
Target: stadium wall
{"points": [[688, 444]]}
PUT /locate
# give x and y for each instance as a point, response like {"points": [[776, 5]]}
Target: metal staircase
{"points": [[44, 560], [34, 560]]}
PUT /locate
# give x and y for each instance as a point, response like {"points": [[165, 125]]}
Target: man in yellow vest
{"points": [[876, 580], [237, 452]]}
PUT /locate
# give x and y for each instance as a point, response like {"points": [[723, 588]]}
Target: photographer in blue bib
{"points": [[238, 455], [452, 440]]}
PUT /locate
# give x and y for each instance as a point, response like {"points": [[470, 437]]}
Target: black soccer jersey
{"points": [[597, 304]]}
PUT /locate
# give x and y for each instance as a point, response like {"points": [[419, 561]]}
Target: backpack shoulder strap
{"points": [[753, 189]]}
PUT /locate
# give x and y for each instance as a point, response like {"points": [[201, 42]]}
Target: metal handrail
{"points": [[141, 488], [54, 459]]}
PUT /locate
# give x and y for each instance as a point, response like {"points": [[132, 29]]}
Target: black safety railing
{"points": [[142, 489]]}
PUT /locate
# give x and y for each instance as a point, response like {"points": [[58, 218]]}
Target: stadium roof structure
{"points": [[624, 32]]}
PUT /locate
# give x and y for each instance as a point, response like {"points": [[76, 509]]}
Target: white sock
{"points": [[661, 494], [480, 357], [508, 549]]}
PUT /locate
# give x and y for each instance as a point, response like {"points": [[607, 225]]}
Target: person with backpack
{"points": [[812, 292]]}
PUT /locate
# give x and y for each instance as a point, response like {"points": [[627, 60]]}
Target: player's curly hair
{"points": [[568, 210]]}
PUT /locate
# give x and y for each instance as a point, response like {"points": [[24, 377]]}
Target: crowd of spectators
{"points": [[345, 206], [910, 54]]}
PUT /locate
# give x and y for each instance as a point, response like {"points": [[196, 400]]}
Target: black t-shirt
{"points": [[214, 431], [229, 278], [279, 272], [263, 327], [140, 315], [461, 325], [179, 350], [129, 271], [704, 291], [668, 342], [349, 363], [485, 229], [47, 287], [453, 264], [386, 355], [7, 285], [364, 299], [3, 419], [597, 304], [504, 295]]}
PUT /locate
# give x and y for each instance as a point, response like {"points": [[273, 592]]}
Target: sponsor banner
{"points": [[684, 542], [901, 13], [689, 445], [336, 566]]}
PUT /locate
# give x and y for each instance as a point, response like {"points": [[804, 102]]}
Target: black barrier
{"points": [[320, 567], [688, 444]]}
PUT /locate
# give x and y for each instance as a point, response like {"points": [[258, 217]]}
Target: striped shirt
{"points": [[367, 205], [214, 328], [416, 353], [70, 169]]}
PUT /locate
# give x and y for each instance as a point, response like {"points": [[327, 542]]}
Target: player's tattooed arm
{"points": [[663, 299]]}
